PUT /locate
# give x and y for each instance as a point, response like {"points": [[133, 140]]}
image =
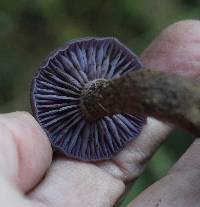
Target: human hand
{"points": [[26, 156]]}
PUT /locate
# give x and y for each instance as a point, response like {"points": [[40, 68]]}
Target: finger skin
{"points": [[75, 183], [99, 185], [190, 160], [180, 188], [25, 150], [176, 50]]}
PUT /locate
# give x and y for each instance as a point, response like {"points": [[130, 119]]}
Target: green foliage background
{"points": [[30, 29]]}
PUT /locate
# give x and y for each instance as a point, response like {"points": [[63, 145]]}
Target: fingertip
{"points": [[33, 148], [182, 30], [176, 49]]}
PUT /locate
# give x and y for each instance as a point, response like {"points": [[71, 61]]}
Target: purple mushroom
{"points": [[56, 98]]}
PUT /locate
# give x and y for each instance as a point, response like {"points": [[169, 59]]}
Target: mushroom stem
{"points": [[167, 97]]}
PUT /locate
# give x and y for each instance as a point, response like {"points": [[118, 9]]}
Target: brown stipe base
{"points": [[168, 97]]}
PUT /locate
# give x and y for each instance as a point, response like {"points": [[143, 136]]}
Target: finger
{"points": [[11, 196], [75, 183], [130, 162], [174, 50], [80, 184], [24, 148], [181, 187], [190, 161]]}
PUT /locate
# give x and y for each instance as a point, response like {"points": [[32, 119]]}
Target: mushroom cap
{"points": [[56, 93]]}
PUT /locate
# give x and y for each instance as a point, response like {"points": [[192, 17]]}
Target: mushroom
{"points": [[60, 88]]}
